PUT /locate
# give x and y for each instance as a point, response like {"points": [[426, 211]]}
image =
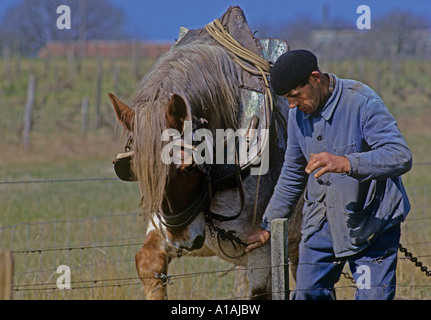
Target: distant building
{"points": [[105, 49], [349, 44]]}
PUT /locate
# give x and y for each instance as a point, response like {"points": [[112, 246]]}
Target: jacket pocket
{"points": [[364, 224], [314, 214], [345, 150], [395, 205]]}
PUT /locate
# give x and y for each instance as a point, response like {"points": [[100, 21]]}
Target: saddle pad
{"points": [[235, 23], [253, 99]]}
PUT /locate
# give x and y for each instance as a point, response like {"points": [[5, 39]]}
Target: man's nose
{"points": [[293, 104]]}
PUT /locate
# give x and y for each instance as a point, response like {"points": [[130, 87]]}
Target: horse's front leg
{"points": [[151, 262]]}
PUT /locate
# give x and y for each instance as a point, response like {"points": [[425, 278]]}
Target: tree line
{"points": [[29, 25], [396, 35]]}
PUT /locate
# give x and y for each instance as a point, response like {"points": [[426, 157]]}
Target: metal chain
{"points": [[408, 254], [224, 235], [414, 259], [349, 277]]}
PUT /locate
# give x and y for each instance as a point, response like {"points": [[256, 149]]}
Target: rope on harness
{"points": [[218, 32]]}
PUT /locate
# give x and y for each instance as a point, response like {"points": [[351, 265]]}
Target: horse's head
{"points": [[185, 191], [189, 83]]}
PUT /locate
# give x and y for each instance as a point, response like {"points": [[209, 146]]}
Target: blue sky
{"points": [[161, 19]]}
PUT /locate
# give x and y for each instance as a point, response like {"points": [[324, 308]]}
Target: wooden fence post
{"points": [[99, 116], [31, 91], [7, 55], [241, 282], [71, 63], [279, 260], [6, 275], [84, 113]]}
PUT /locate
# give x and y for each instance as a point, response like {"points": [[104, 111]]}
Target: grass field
{"points": [[100, 218]]}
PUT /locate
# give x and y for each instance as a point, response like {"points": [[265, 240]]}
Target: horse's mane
{"points": [[205, 76]]}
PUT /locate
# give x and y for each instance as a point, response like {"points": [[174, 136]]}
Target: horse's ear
{"points": [[177, 112], [124, 113]]}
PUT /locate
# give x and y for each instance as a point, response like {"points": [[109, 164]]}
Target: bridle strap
{"points": [[238, 177], [185, 217], [202, 203]]}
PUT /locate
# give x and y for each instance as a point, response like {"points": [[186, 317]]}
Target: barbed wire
{"points": [[39, 288], [83, 247], [57, 180], [96, 179], [222, 272], [113, 215], [40, 250], [123, 282], [133, 281], [53, 286]]}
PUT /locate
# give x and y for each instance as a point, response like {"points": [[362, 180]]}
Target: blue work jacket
{"points": [[358, 206]]}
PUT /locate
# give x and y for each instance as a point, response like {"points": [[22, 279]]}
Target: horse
{"points": [[193, 87]]}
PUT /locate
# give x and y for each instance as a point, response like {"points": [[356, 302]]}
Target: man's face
{"points": [[306, 98]]}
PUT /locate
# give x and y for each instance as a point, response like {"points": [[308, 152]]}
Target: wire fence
{"points": [[100, 254]]}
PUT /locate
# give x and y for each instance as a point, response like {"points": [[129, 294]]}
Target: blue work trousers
{"points": [[373, 268]]}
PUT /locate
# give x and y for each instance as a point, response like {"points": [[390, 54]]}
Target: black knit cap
{"points": [[292, 69]]}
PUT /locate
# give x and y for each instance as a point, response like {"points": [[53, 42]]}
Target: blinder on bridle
{"points": [[123, 162], [178, 220]]}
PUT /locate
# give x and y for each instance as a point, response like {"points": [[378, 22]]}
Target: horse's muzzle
{"points": [[198, 242]]}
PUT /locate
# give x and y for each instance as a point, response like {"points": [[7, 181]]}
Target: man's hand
{"points": [[257, 238], [328, 162]]}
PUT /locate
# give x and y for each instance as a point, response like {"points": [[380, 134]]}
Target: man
{"points": [[345, 149]]}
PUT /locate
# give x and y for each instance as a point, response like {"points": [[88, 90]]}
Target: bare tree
{"points": [[33, 22]]}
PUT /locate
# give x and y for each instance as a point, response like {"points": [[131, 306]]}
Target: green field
{"points": [[75, 206]]}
